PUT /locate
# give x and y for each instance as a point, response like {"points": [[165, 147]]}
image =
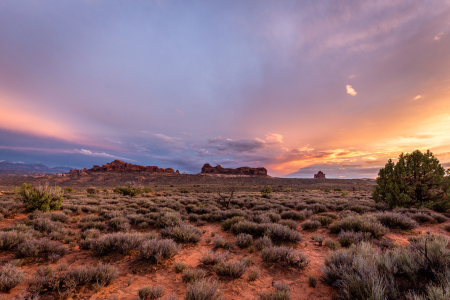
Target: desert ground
{"points": [[233, 244]]}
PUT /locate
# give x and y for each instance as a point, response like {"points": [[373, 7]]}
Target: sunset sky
{"points": [[293, 86]]}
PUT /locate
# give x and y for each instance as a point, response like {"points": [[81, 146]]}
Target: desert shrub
{"points": [[91, 218], [148, 190], [280, 233], [158, 250], [282, 292], [447, 227], [359, 224], [226, 225], [193, 217], [219, 242], [183, 234], [337, 189], [151, 292], [361, 209], [131, 189], [362, 272], [289, 223], [69, 189], [119, 223], [203, 290], [11, 239], [169, 219], [346, 238], [312, 281], [42, 197], [253, 274], [212, 258], [10, 277], [423, 218], [65, 283], [243, 240], [332, 245], [319, 239], [310, 225], [396, 220], [179, 266], [416, 179], [234, 268], [263, 242], [285, 255], [92, 225], [46, 225], [267, 189], [293, 215], [118, 242], [92, 190], [324, 220], [318, 208], [34, 248], [191, 275]]}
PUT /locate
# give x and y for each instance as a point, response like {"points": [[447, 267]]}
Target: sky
{"points": [[293, 86]]}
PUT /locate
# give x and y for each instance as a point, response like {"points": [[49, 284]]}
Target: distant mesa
{"points": [[18, 168], [320, 174], [120, 166], [208, 169]]}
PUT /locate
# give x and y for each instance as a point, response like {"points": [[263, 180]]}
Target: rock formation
{"points": [[320, 174], [120, 166], [208, 169]]}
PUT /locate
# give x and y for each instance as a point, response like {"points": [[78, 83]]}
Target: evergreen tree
{"points": [[416, 179]]}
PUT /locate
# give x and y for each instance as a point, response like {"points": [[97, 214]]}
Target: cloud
{"points": [[101, 154], [417, 97], [437, 38], [166, 139], [351, 91], [274, 138]]}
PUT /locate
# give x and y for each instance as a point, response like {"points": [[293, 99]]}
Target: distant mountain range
{"points": [[7, 167]]}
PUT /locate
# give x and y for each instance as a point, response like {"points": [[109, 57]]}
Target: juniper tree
{"points": [[416, 179]]}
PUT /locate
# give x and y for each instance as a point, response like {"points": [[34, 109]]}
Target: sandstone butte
{"points": [[208, 169], [120, 166]]}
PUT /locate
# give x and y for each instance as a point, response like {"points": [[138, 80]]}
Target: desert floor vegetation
{"points": [[157, 241]]}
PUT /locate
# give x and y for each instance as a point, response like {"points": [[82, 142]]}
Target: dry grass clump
{"points": [[10, 276], [151, 292], [191, 275], [179, 266], [183, 234], [234, 268], [285, 255], [253, 274], [158, 249], [281, 292], [203, 289], [212, 258], [363, 223]]}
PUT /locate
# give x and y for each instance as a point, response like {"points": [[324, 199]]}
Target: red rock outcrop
{"points": [[320, 174], [120, 166], [208, 169]]}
